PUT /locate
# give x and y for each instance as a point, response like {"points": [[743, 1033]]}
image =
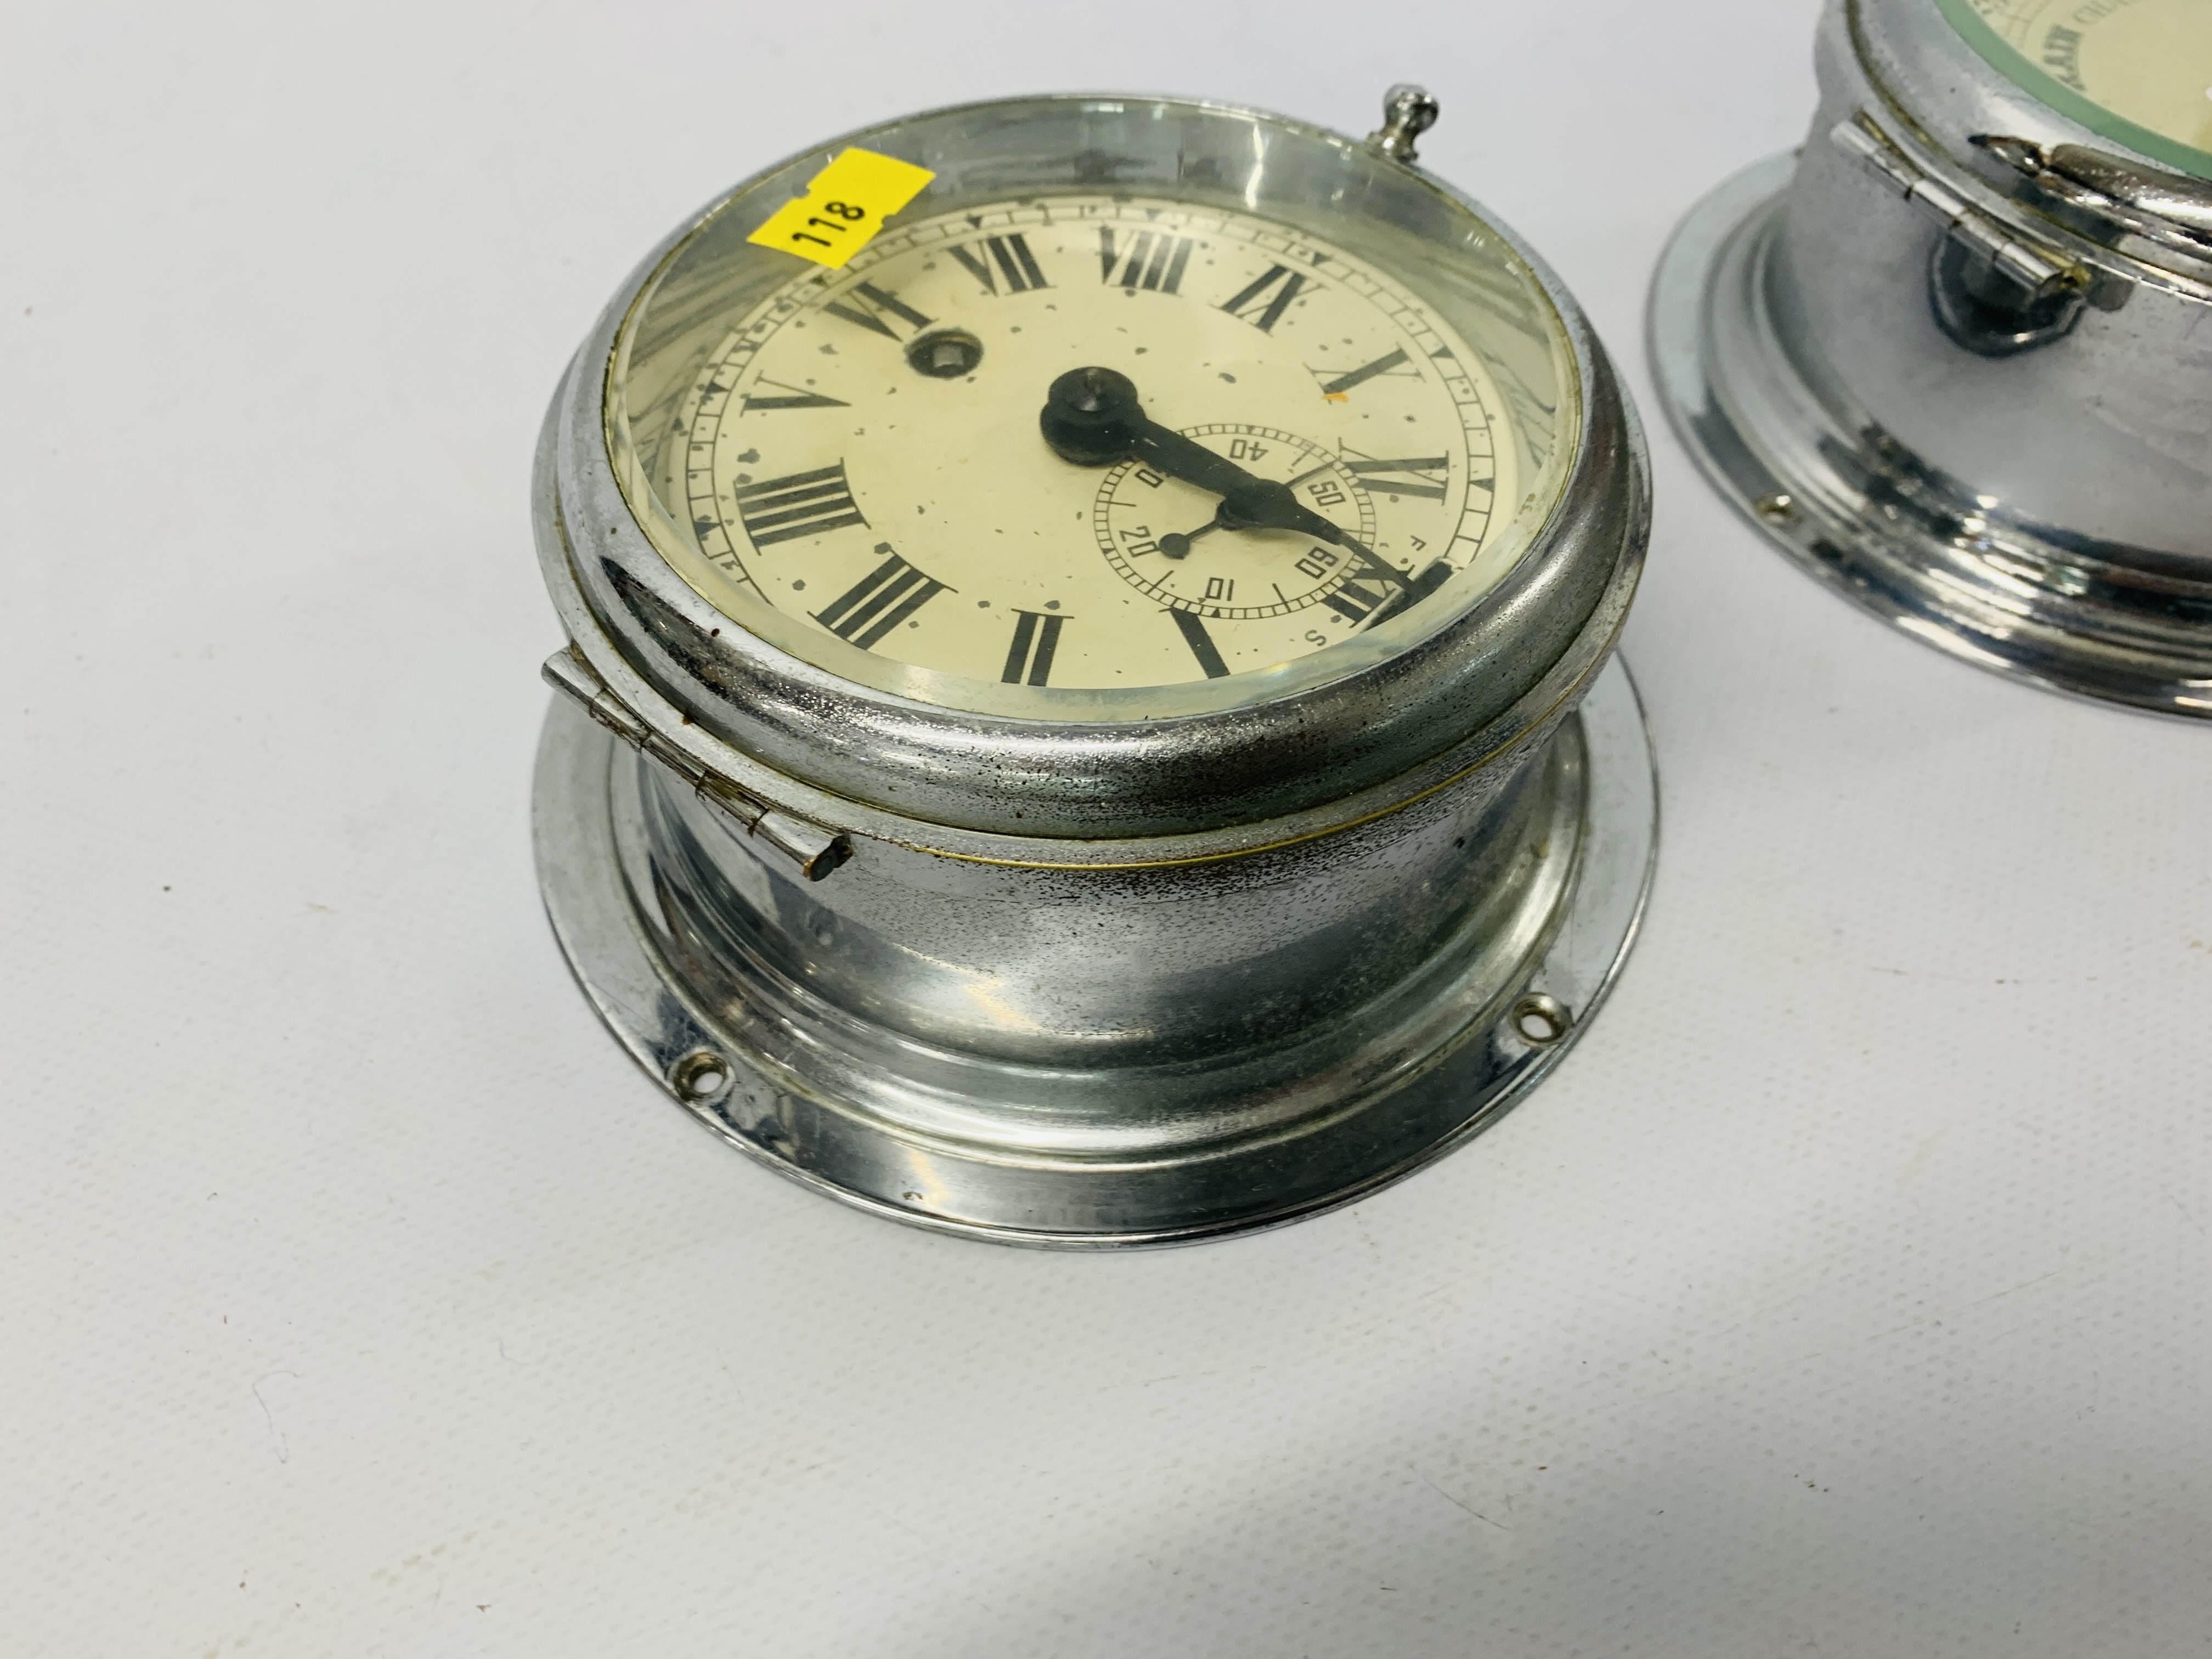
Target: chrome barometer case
{"points": [[1954, 356], [1090, 712]]}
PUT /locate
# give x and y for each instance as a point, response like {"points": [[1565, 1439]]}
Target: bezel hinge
{"points": [[816, 850], [2037, 269]]}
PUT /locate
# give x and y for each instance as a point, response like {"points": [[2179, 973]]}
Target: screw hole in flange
{"points": [[1540, 1021], [700, 1075], [1776, 509]]}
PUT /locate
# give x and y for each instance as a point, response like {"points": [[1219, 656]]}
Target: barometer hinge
{"points": [[815, 850], [1991, 291], [2035, 269]]}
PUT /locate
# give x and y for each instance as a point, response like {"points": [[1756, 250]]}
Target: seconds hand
{"points": [[1176, 546], [1092, 417]]}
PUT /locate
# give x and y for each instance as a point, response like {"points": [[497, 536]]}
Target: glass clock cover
{"points": [[1364, 408]]}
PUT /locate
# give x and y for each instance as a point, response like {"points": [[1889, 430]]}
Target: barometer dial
{"points": [[2139, 71]]}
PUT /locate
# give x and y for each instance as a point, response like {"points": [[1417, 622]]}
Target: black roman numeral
{"points": [[870, 304], [1360, 604], [879, 601], [1249, 295], [1360, 376], [1201, 643], [1150, 259], [789, 397], [1008, 256], [1028, 658], [804, 504], [1355, 601], [1415, 467]]}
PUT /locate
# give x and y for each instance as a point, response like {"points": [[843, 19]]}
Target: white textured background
{"points": [[1844, 1293]]}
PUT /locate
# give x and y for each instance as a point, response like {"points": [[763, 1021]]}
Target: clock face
{"points": [[2137, 71], [862, 451]]}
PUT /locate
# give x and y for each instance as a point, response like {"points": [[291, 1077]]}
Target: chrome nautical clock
{"points": [[1955, 356], [1091, 713]]}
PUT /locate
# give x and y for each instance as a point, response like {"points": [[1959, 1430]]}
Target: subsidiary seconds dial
{"points": [[1220, 570], [863, 450]]}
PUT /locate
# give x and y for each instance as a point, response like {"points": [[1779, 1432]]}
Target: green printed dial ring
{"points": [[2137, 72]]}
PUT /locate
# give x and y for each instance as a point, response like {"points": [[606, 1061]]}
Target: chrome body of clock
{"points": [[1953, 357], [1089, 983]]}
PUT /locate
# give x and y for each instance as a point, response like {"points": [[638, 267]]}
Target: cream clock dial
{"points": [[863, 450]]}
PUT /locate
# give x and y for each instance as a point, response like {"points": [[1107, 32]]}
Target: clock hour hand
{"points": [[1093, 417]]}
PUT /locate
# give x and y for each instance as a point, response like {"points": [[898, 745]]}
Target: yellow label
{"points": [[845, 206]]}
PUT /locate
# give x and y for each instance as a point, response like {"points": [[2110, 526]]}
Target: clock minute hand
{"points": [[1277, 509], [1168, 450], [1094, 418], [1265, 505]]}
